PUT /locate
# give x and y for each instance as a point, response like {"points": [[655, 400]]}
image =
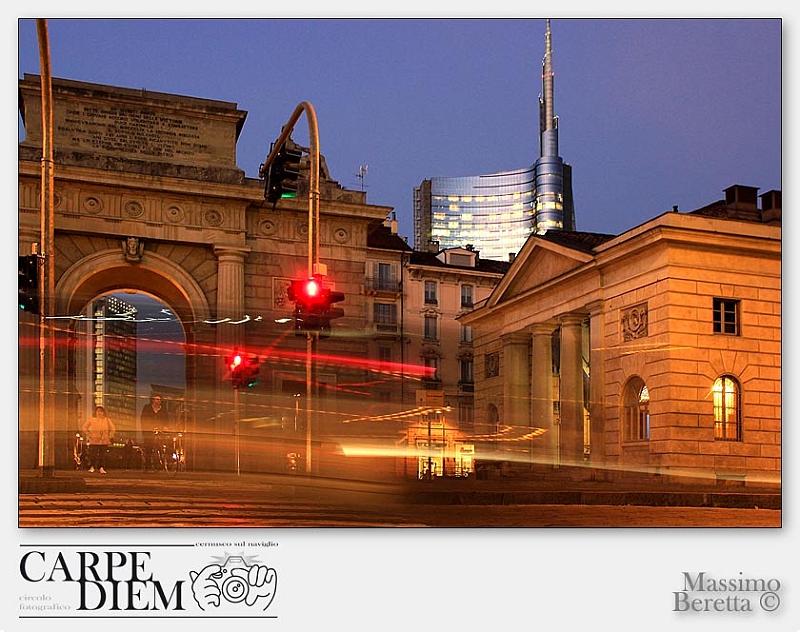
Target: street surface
{"points": [[140, 499]]}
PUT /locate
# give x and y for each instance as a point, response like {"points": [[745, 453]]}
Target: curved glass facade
{"points": [[494, 212]]}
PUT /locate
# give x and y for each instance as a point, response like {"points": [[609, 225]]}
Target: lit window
{"points": [[636, 411], [727, 409]]}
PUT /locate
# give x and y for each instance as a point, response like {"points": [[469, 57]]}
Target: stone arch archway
{"points": [[107, 272]]}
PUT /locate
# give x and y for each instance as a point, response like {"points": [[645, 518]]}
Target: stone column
{"points": [[544, 447], [596, 381], [516, 380], [571, 390], [229, 336], [230, 295]]}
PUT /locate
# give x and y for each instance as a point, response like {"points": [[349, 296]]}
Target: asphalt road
{"points": [[121, 499]]}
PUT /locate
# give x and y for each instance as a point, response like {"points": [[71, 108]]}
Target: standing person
{"points": [[99, 431], [154, 417]]}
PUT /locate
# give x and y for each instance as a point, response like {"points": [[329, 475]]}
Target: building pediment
{"points": [[539, 263]]}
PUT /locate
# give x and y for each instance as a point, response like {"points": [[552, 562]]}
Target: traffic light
{"points": [[244, 370], [251, 372], [29, 284], [308, 303], [284, 172], [235, 364], [312, 306], [330, 313]]}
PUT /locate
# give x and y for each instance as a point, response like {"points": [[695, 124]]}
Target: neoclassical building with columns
{"points": [[656, 351]]}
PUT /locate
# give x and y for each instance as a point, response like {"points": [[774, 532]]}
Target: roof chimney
{"points": [[741, 202], [771, 207]]}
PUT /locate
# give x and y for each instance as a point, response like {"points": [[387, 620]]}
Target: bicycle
{"points": [[78, 451], [177, 460], [161, 458]]}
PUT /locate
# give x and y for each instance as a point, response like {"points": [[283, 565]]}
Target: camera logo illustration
{"points": [[234, 583]]}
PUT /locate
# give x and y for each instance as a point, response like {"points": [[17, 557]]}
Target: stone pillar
{"points": [[596, 402], [230, 295], [516, 379], [571, 390], [229, 336], [544, 447]]}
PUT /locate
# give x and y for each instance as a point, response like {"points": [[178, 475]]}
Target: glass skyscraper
{"points": [[492, 212], [497, 212]]}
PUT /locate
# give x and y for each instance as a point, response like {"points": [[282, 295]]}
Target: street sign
{"points": [[431, 399]]}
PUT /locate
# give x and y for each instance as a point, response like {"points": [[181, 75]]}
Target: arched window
{"points": [[636, 411], [727, 409]]}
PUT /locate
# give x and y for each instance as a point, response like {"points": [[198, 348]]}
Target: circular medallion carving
{"points": [[56, 199], [302, 229], [213, 217], [341, 235], [175, 214], [92, 205], [133, 209], [267, 227]]}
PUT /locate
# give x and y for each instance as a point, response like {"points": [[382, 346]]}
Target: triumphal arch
{"points": [[148, 199]]}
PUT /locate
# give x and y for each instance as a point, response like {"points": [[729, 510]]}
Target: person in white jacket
{"points": [[99, 431]]}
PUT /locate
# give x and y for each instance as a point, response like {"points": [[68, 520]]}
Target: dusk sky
{"points": [[653, 112]]}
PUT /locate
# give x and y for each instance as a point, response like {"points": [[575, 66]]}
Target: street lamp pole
{"points": [[47, 345]]}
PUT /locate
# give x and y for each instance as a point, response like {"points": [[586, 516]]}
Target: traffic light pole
{"points": [[236, 427], [313, 240]]}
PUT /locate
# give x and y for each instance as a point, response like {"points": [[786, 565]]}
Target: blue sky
{"points": [[653, 112]]}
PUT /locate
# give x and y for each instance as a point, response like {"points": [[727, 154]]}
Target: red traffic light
{"points": [[306, 292], [235, 361], [244, 370]]}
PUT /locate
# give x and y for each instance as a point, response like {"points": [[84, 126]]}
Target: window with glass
{"points": [[384, 356], [726, 316], [385, 313], [466, 371], [430, 292], [466, 296], [636, 411], [431, 328], [727, 409], [466, 333], [432, 368]]}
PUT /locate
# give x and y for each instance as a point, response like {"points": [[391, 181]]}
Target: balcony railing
{"points": [[381, 285]]}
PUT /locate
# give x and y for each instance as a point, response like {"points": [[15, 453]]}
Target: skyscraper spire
{"points": [[549, 121], [553, 191]]}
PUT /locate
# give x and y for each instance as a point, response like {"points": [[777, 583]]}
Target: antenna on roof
{"points": [[362, 174]]}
